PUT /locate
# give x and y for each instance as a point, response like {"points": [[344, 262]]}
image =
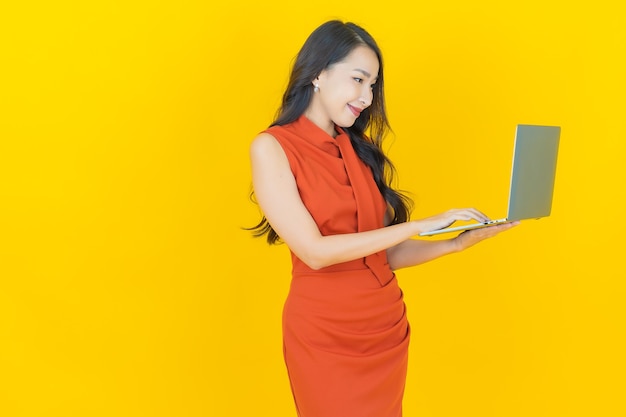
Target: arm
{"points": [[277, 194], [414, 252]]}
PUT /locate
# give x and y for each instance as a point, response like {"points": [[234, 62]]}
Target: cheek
{"points": [[336, 98], [343, 90], [344, 96]]}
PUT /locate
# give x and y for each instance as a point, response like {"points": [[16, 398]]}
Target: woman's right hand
{"points": [[443, 220]]}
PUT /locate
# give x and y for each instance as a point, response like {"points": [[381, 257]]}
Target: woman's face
{"points": [[345, 88]]}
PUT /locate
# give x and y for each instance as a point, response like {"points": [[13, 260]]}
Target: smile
{"points": [[354, 110]]}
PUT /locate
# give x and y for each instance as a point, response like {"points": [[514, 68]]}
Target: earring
{"points": [[316, 88]]}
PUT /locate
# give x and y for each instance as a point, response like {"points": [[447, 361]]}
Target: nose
{"points": [[367, 96]]}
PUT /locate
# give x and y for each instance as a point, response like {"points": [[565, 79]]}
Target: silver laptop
{"points": [[532, 177]]}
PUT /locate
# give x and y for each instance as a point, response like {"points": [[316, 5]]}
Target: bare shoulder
{"points": [[266, 148], [264, 143], [271, 171]]}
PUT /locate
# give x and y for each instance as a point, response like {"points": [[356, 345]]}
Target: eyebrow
{"points": [[362, 71]]}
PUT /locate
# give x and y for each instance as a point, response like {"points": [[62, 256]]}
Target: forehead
{"points": [[361, 58]]}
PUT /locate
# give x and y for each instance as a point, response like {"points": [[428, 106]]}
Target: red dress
{"points": [[345, 330]]}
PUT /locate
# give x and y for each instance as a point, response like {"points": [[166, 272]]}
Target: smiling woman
{"points": [[347, 88], [321, 183]]}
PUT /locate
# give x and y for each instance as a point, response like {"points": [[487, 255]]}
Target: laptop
{"points": [[532, 177]]}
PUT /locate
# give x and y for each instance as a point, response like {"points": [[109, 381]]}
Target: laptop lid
{"points": [[533, 173]]}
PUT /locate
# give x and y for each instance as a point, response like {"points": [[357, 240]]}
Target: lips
{"points": [[355, 111]]}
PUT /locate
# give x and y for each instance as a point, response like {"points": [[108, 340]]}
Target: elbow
{"points": [[315, 261], [391, 259], [319, 254], [394, 259], [394, 266]]}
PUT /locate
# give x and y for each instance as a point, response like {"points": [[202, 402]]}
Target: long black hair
{"points": [[329, 44]]}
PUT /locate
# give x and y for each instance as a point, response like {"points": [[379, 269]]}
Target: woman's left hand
{"points": [[471, 237]]}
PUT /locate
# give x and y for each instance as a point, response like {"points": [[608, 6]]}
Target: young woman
{"points": [[324, 186]]}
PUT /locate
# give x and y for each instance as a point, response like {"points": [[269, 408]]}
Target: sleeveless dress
{"points": [[345, 331]]}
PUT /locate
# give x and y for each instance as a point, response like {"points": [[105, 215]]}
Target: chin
{"points": [[345, 122]]}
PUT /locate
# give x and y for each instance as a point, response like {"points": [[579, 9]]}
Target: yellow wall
{"points": [[128, 289]]}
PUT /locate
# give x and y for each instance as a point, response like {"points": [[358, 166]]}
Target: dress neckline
{"points": [[317, 133]]}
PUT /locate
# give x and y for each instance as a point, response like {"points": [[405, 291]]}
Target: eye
{"points": [[358, 80]]}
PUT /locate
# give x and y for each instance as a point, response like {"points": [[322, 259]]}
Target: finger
{"points": [[474, 214], [490, 231], [506, 226]]}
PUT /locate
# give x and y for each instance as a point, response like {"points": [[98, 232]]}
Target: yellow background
{"points": [[127, 287]]}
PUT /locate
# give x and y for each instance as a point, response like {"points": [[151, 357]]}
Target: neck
{"points": [[320, 121]]}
